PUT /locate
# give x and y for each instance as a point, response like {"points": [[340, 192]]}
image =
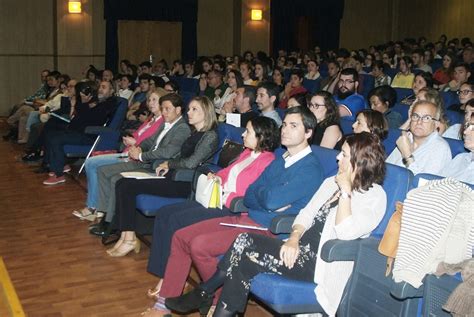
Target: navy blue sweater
{"points": [[278, 187]]}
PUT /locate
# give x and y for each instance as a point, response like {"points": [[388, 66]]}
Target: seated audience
{"points": [[260, 139], [261, 72], [347, 206], [422, 80], [293, 87], [418, 57], [420, 148], [313, 70], [278, 78], [176, 153], [455, 131], [347, 99], [145, 131], [461, 74], [382, 99], [381, 78], [234, 80], [88, 112], [297, 100], [327, 132], [404, 78], [444, 74], [241, 104], [214, 85], [267, 97], [329, 83], [465, 93], [462, 166], [371, 121], [284, 187], [245, 68], [124, 85]]}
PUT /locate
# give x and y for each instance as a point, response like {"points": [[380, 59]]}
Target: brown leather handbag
{"points": [[389, 244]]}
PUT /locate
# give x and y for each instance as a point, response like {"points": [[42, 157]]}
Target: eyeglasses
{"points": [[464, 92], [315, 106], [346, 82], [425, 119], [469, 126]]}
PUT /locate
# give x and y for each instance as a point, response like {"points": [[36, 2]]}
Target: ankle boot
{"points": [[196, 299]]}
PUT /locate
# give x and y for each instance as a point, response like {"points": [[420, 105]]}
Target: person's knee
{"points": [[199, 246]]}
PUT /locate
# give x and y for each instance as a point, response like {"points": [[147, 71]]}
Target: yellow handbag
{"points": [[216, 196], [389, 244]]}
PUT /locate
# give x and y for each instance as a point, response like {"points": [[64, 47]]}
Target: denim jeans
{"points": [[92, 164]]}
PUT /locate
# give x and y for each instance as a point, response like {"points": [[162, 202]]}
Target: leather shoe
{"points": [[194, 300], [101, 229]]}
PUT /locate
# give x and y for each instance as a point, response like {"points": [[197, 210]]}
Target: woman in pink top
{"points": [[147, 129], [261, 137]]}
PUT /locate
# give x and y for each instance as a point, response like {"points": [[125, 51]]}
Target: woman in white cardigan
{"points": [[346, 206]]}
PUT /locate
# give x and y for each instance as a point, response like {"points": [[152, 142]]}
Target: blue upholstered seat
{"points": [[108, 136]]}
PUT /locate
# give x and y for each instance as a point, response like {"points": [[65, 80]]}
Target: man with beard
{"points": [[349, 102], [88, 113]]}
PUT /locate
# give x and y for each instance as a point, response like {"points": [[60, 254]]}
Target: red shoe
{"points": [[54, 180]]}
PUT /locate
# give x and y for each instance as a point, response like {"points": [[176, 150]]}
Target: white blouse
{"points": [[368, 209]]}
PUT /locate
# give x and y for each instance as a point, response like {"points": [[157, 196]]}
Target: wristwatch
{"points": [[405, 159], [345, 195]]}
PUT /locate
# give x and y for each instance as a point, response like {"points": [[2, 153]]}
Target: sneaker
{"points": [[54, 180], [66, 168], [31, 157]]}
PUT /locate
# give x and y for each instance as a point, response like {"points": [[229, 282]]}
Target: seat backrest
{"points": [[227, 132], [312, 86], [390, 143], [454, 117], [402, 93], [346, 125], [187, 96], [189, 84], [398, 181], [456, 146], [368, 84], [109, 140], [327, 158], [449, 98], [436, 64], [391, 72], [402, 109]]}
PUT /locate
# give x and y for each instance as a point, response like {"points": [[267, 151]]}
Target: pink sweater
{"points": [[248, 175], [148, 133]]}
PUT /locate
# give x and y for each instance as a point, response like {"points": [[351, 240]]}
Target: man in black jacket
{"points": [[88, 112]]}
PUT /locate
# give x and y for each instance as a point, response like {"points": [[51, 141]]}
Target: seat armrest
{"points": [[98, 130], [403, 290], [282, 224], [183, 175], [237, 205], [340, 250]]}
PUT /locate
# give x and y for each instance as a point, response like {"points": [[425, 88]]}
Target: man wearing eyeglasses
{"points": [[348, 100], [421, 149]]}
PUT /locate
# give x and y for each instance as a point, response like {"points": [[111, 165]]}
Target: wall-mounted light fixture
{"points": [[74, 6], [256, 15]]}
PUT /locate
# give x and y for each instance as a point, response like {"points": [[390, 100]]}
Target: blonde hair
{"points": [[210, 119]]}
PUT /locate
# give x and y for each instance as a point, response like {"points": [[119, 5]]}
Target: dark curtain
{"points": [[325, 15], [184, 11]]}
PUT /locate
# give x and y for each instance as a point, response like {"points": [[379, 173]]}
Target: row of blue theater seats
{"points": [[369, 292]]}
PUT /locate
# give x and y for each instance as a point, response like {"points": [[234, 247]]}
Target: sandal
{"points": [[85, 213]]}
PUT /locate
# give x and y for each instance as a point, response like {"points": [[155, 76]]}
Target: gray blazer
{"points": [[170, 145], [206, 147]]}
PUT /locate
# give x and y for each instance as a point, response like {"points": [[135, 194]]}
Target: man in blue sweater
{"points": [[285, 187]]}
